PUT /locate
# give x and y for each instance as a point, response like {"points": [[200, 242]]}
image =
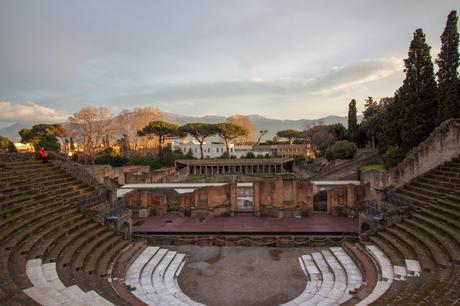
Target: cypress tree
{"points": [[352, 120], [447, 61], [418, 94]]}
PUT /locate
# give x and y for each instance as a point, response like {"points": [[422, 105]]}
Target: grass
{"points": [[192, 178], [372, 167]]}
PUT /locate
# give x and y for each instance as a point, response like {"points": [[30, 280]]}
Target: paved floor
{"points": [[246, 223], [243, 276]]}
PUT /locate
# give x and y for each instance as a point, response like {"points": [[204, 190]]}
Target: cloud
{"points": [[30, 112], [335, 82], [355, 75]]}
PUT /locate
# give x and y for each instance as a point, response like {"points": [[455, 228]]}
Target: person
{"points": [[42, 154], [45, 156]]}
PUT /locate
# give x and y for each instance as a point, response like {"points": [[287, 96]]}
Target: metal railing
{"points": [[117, 211]]}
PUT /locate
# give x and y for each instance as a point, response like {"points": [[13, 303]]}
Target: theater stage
{"points": [[249, 224]]}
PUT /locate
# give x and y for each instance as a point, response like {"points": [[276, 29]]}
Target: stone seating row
{"points": [[49, 290], [332, 275], [153, 277], [42, 223]]}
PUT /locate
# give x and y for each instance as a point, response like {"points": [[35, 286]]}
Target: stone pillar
{"points": [[256, 197], [233, 198]]}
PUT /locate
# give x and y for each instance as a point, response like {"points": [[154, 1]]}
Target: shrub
{"points": [[393, 156], [108, 157], [343, 149], [299, 160]]}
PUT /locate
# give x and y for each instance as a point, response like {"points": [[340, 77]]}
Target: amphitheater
{"points": [[54, 253]]}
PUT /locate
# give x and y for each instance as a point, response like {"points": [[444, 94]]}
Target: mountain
{"points": [[262, 123], [11, 131]]}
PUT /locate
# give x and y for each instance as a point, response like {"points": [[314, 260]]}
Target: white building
{"points": [[210, 150], [215, 150]]}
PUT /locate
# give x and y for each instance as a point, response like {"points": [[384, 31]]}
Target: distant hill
{"points": [[262, 123]]}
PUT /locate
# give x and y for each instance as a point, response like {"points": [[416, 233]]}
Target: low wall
{"points": [[119, 173], [441, 146]]}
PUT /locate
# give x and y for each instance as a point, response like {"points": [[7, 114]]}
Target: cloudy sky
{"points": [[277, 58]]}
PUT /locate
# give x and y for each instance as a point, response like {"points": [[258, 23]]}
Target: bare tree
{"points": [[245, 122], [92, 128]]}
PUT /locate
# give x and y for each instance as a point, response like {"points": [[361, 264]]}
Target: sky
{"points": [[284, 59]]}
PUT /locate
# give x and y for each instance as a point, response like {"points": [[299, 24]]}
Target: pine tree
{"points": [[418, 95], [352, 120], [448, 61]]}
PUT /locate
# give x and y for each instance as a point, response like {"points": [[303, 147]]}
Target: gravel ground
{"points": [[243, 276]]}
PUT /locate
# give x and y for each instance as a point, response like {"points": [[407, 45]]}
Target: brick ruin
{"points": [[280, 198]]}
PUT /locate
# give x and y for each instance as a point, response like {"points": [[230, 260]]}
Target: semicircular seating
{"points": [[51, 254], [152, 277]]}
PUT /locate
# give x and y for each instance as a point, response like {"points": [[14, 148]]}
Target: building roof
{"points": [[233, 162]]}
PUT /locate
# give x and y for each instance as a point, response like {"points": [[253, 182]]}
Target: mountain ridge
{"points": [[261, 123]]}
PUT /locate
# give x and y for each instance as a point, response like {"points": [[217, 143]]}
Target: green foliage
{"points": [[339, 131], [343, 149], [418, 95], [44, 135], [352, 120], [320, 137], [109, 157], [229, 132], [249, 155], [4, 143], [448, 62], [393, 156], [163, 129], [370, 167], [200, 131], [299, 160], [12, 147], [290, 135]]}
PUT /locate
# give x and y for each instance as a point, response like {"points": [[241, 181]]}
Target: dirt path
{"points": [[249, 276]]}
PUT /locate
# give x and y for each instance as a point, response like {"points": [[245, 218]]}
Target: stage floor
{"points": [[246, 224]]}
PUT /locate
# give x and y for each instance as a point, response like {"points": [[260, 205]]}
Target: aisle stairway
{"points": [[431, 236], [39, 222]]}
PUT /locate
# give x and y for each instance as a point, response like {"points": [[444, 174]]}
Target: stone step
{"points": [[436, 251], [431, 182], [442, 178], [452, 174], [423, 256], [441, 218], [390, 239], [437, 237], [388, 249], [439, 223]]}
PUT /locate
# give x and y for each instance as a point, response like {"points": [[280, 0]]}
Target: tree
{"points": [[200, 131], [418, 94], [4, 143], [128, 122], [290, 135], [246, 123], [261, 134], [352, 120], [448, 62], [41, 135], [229, 132], [341, 150], [163, 129], [339, 131], [320, 137], [91, 127]]}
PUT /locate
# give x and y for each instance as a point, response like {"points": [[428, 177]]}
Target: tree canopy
{"points": [[163, 129], [290, 135], [229, 132], [43, 135], [447, 74], [352, 120], [200, 131]]}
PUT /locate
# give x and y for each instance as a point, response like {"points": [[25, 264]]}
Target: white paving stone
{"points": [[48, 289], [413, 267]]}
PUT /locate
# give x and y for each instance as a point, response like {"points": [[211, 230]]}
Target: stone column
{"points": [[256, 197], [233, 198]]}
